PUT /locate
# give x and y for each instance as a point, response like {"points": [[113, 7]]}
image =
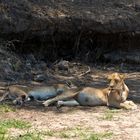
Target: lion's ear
{"points": [[23, 97], [123, 76], [108, 77]]}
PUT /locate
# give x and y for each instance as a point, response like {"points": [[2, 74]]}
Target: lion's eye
{"points": [[116, 80], [109, 80]]}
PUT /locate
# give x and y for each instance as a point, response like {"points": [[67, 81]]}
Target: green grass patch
{"points": [[3, 133], [109, 115], [82, 134], [99, 136], [29, 136], [50, 133], [6, 108], [19, 124], [14, 124]]}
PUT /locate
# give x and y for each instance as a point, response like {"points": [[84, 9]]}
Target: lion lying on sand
{"points": [[114, 95]]}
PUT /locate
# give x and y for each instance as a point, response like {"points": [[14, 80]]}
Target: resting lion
{"points": [[20, 94], [114, 95], [16, 93]]}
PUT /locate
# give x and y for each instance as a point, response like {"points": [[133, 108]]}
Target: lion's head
{"points": [[118, 89], [116, 81]]}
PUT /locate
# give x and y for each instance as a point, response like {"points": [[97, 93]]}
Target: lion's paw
{"points": [[129, 105], [46, 103], [132, 105]]}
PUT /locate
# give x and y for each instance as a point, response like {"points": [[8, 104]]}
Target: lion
{"points": [[20, 94], [114, 95], [16, 93]]}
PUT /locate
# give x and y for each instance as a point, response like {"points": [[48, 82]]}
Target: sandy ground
{"points": [[123, 124]]}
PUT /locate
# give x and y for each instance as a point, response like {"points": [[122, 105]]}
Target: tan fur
{"points": [[16, 93], [119, 92], [115, 95], [19, 93]]}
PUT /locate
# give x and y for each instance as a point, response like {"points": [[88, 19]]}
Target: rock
{"points": [[63, 65], [40, 78], [31, 59], [40, 66], [114, 56], [132, 56]]}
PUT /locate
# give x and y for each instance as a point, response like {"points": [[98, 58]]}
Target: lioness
{"points": [[20, 94], [115, 95], [16, 93]]}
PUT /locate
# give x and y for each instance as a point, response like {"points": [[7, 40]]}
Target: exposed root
{"points": [[65, 77], [83, 74]]}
